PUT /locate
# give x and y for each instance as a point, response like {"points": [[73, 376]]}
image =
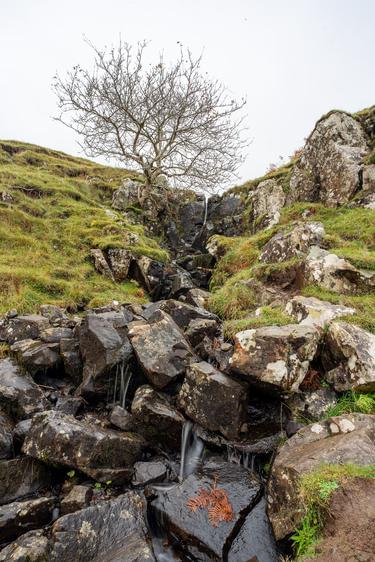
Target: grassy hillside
{"points": [[53, 209]]}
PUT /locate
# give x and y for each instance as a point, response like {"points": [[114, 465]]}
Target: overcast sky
{"points": [[294, 59]]}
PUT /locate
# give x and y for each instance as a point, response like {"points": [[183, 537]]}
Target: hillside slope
{"points": [[53, 209]]}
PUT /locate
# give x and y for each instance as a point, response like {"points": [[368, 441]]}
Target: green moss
{"points": [[268, 316], [351, 402], [56, 214]]}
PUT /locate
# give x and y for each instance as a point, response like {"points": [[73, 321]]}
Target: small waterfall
{"points": [[205, 210], [244, 458], [122, 380], [192, 448]]}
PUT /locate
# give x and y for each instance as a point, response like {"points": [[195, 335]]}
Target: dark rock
{"points": [[18, 517], [119, 262], [161, 349], [20, 431], [148, 472], [103, 454], [197, 297], [338, 440], [112, 531], [6, 438], [53, 313], [192, 529], [69, 405], [182, 282], [311, 406], [182, 313], [20, 477], [255, 540], [213, 399], [19, 394], [25, 327], [122, 419], [71, 356], [30, 547], [100, 263], [275, 357], [78, 498], [160, 421], [54, 335], [197, 330], [36, 356]]}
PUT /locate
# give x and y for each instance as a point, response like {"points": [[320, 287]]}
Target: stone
{"points": [[296, 243], [30, 547], [36, 356], [6, 437], [192, 529], [199, 329], [159, 420], [78, 498], [149, 472], [18, 517], [330, 166], [275, 357], [25, 327], [266, 202], [19, 394], [336, 274], [181, 312], [255, 540], [349, 358], [53, 313], [119, 261], [122, 419], [311, 406], [197, 297], [69, 405], [161, 349], [71, 356], [147, 272], [182, 282], [366, 197], [113, 530], [100, 263], [213, 399], [19, 433], [314, 312], [59, 439], [54, 335], [344, 439], [21, 477], [127, 195]]}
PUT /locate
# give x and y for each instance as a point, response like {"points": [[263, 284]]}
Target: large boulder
{"points": [[112, 531], [275, 357], [161, 349], [36, 356], [20, 477], [329, 169], [312, 311], [119, 261], [18, 517], [213, 399], [349, 357], [201, 536], [100, 263], [338, 440], [19, 394], [59, 439], [127, 195], [336, 274], [295, 243], [266, 202]]}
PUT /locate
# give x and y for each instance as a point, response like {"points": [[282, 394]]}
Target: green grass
{"points": [[269, 316], [56, 214], [351, 402], [316, 489]]}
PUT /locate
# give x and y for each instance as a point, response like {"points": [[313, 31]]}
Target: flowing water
{"points": [[121, 384], [192, 448]]}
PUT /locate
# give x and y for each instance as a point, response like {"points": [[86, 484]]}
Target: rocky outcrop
{"points": [[266, 202], [312, 311], [294, 244], [349, 358], [275, 358], [330, 165], [344, 439]]}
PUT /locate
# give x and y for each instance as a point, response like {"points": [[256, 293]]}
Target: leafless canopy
{"points": [[161, 119]]}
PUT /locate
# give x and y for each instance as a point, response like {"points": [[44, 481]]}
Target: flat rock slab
{"points": [[193, 529], [18, 517], [20, 477], [113, 531]]}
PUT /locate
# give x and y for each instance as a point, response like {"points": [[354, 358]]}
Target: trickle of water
{"points": [[205, 210], [192, 448], [244, 458], [122, 379]]}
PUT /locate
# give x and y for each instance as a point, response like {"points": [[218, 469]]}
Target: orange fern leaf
{"points": [[216, 501]]}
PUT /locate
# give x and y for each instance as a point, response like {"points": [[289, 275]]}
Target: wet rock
{"points": [[71, 356], [18, 517], [192, 529], [312, 311], [78, 498], [19, 394], [338, 440], [255, 540], [100, 263], [103, 454], [122, 419], [336, 274], [197, 297], [69, 405], [36, 356], [224, 215], [275, 357], [329, 168], [191, 217], [6, 438], [161, 349], [349, 357], [266, 201], [311, 405], [25, 327], [119, 261], [160, 421], [284, 246], [30, 547], [88, 534], [20, 477], [213, 399], [148, 472]]}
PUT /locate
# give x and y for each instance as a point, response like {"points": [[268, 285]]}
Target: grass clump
{"points": [[316, 489], [268, 316], [351, 402], [54, 209]]}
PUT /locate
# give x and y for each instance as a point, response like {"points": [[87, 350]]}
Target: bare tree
{"points": [[169, 120]]}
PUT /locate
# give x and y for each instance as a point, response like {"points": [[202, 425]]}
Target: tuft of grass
{"points": [[351, 402], [316, 489], [269, 316]]}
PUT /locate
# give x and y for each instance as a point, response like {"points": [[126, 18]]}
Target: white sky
{"points": [[294, 59]]}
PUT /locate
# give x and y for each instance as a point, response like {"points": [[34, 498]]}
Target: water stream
{"points": [[121, 385], [192, 448]]}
